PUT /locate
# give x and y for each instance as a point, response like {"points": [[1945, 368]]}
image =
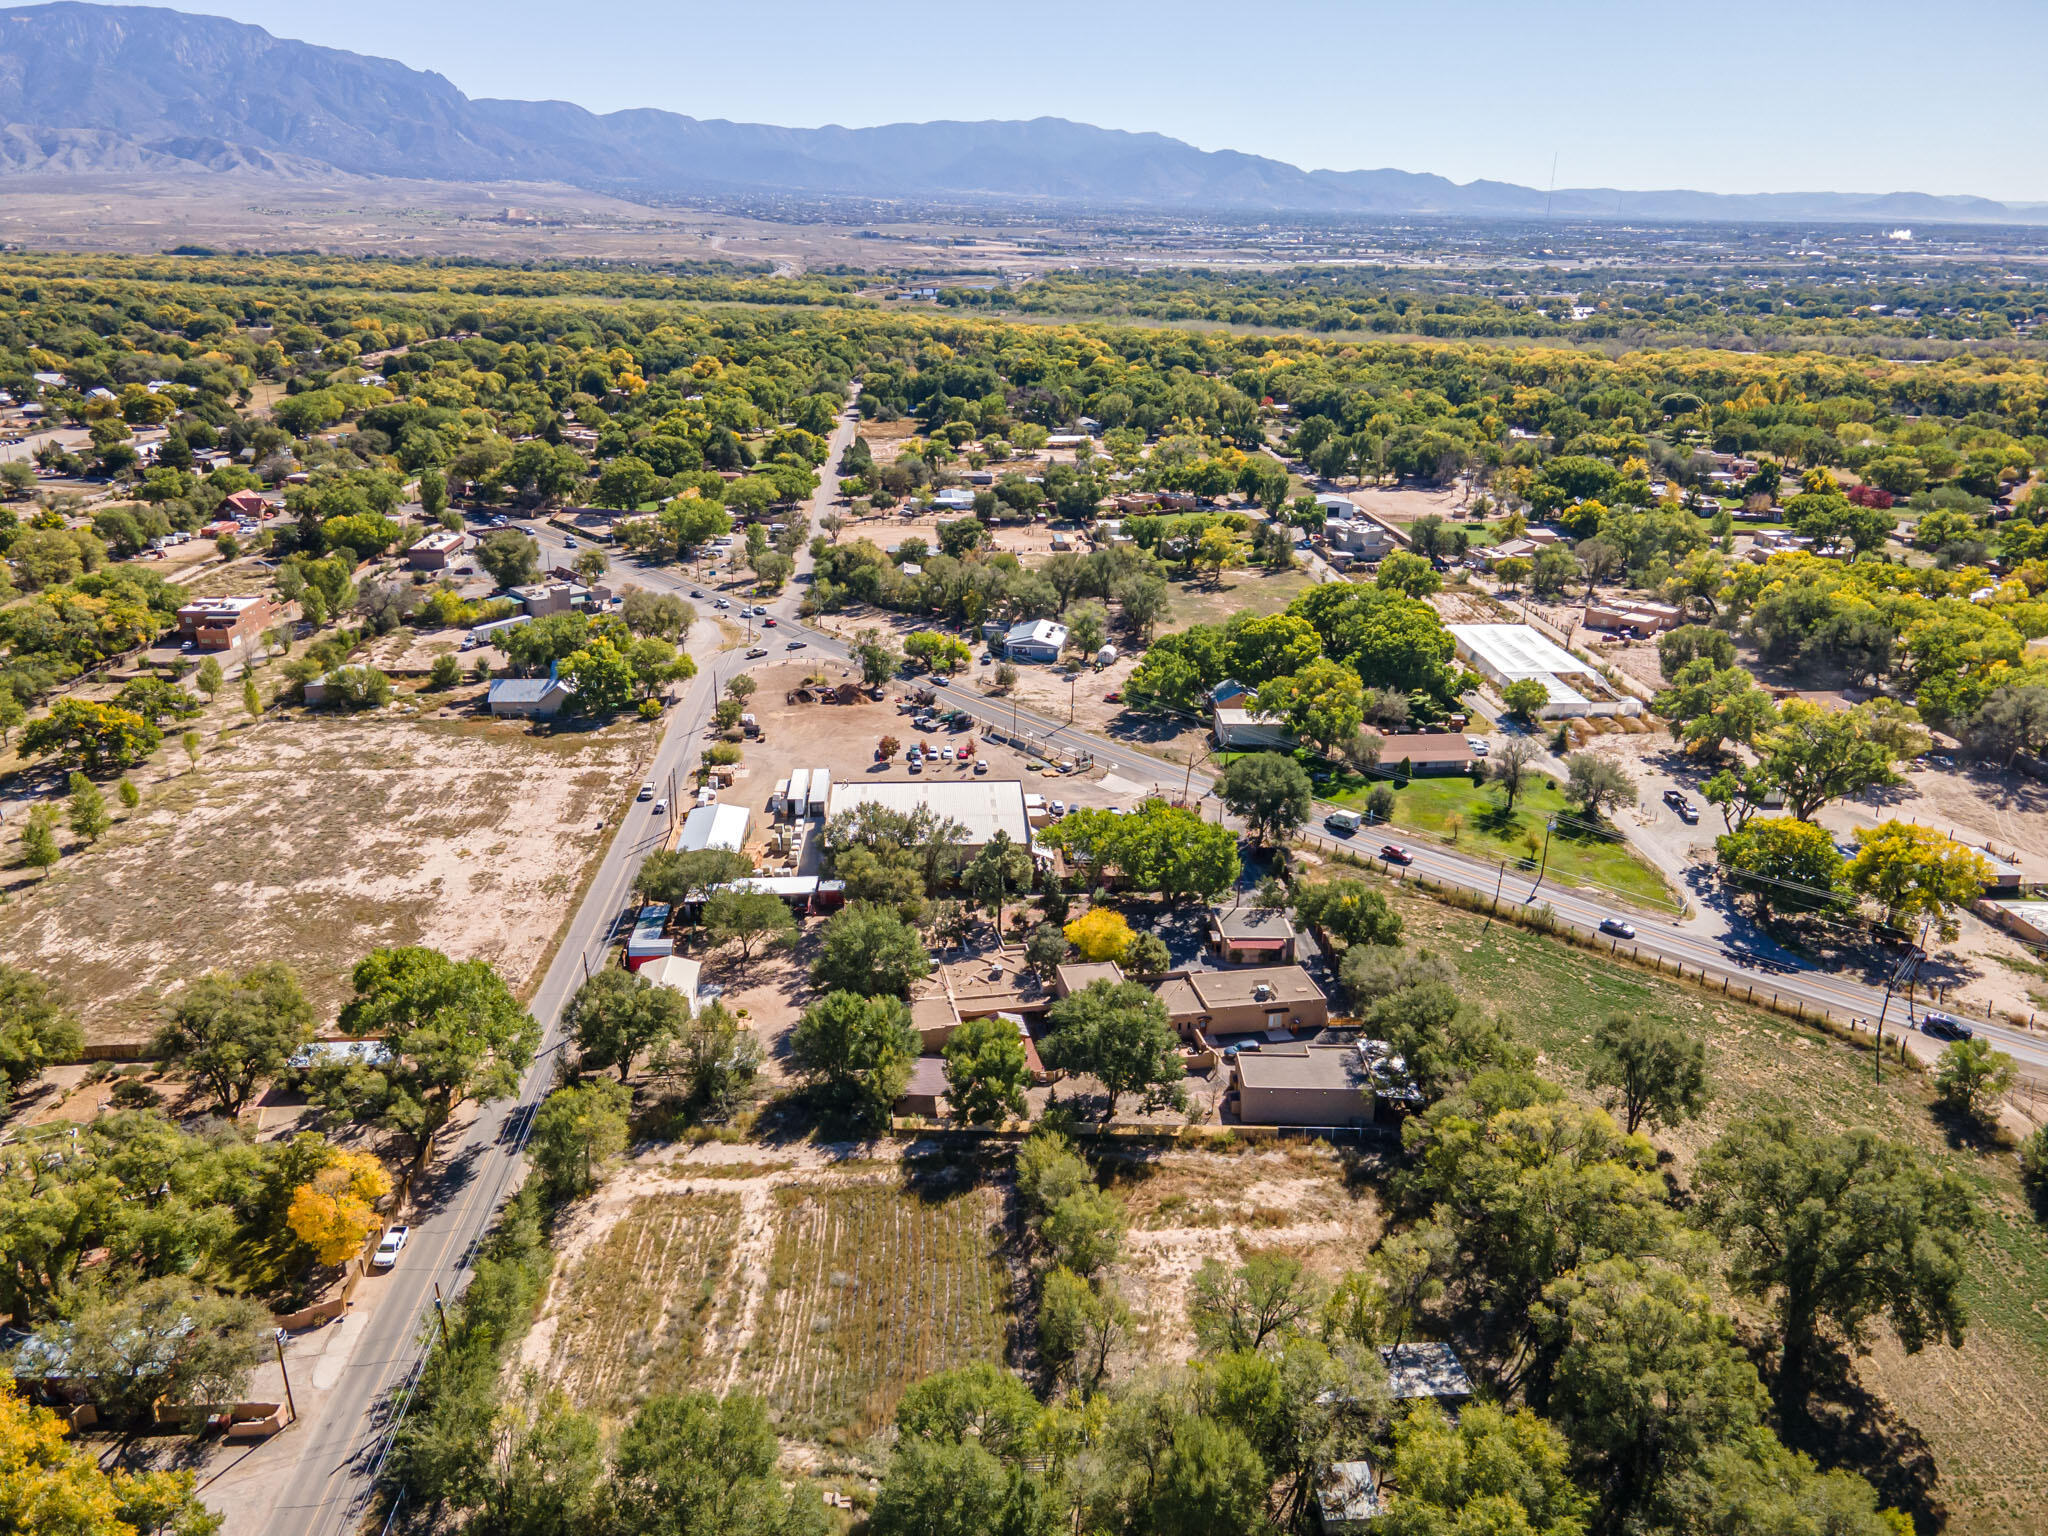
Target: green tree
{"points": [[1971, 1077], [1002, 869], [1786, 864], [1597, 783], [89, 816], [39, 838], [1510, 769], [986, 1071], [1267, 1297], [252, 700], [575, 1131], [1915, 872], [160, 1339], [232, 1032], [1525, 698], [1647, 1381], [1083, 1231], [1159, 847], [716, 1057], [604, 679], [451, 1030], [673, 877], [37, 1027], [618, 1015], [1323, 703], [447, 672], [877, 662], [1080, 1326], [1411, 575], [1349, 911], [858, 1050], [96, 736], [1118, 1034], [1816, 755], [869, 950], [698, 1465], [1657, 1073], [1835, 1231], [1270, 791], [511, 558], [209, 679], [1489, 1471], [661, 615], [755, 921]]}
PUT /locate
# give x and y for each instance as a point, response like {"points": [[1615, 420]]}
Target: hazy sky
{"points": [[1739, 96]]}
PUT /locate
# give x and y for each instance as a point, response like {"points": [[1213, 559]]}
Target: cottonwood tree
{"points": [[164, 1339], [1240, 1309], [1916, 872], [755, 921], [37, 1027], [858, 1050], [1659, 1074], [575, 1130], [452, 1032], [619, 1015], [232, 1032], [1118, 1034], [675, 878], [1597, 783], [987, 1071], [1835, 1232], [1971, 1077], [1081, 1325], [1270, 791], [869, 950]]}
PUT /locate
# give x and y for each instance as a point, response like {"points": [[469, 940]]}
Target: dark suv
{"points": [[1944, 1026]]}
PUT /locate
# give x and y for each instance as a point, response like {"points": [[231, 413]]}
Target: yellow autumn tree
{"points": [[335, 1211], [48, 1483], [1100, 934]]}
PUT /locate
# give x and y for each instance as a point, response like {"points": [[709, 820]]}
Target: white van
{"points": [[1343, 823]]}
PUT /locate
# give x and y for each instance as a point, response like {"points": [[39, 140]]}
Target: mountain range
{"points": [[131, 90]]}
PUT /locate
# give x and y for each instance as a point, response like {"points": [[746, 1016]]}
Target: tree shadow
{"points": [[1844, 1425]]}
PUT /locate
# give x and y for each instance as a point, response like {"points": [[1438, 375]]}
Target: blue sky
{"points": [[1738, 96]]}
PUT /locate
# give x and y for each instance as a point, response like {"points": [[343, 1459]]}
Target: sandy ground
{"points": [[313, 839]]}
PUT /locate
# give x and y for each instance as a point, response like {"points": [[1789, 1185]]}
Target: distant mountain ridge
{"points": [[94, 89]]}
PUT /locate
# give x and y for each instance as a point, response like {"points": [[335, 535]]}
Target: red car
{"points": [[767, 623], [1394, 853], [1112, 698]]}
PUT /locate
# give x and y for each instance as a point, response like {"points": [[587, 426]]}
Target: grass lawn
{"points": [[1470, 816], [1980, 1410], [1246, 589]]}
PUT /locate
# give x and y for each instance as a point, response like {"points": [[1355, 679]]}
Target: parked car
{"points": [[1674, 798], [981, 765], [1945, 1026], [388, 1249], [1688, 812], [1617, 927], [1394, 853], [1477, 744]]}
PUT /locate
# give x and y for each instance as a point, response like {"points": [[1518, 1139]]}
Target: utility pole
{"points": [[1548, 827], [278, 1340]]}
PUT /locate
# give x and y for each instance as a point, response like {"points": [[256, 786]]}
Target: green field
{"points": [[1245, 589], [1981, 1409], [1469, 817]]}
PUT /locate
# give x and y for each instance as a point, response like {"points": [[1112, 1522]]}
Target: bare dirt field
{"points": [[313, 839], [1188, 1207]]}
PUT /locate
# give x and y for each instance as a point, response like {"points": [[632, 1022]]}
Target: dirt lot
{"points": [[314, 838], [825, 1285]]}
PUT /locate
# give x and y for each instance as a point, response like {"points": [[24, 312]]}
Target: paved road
{"points": [[328, 1489]]}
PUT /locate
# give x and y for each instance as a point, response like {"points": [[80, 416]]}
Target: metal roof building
{"points": [[983, 807], [714, 826]]}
